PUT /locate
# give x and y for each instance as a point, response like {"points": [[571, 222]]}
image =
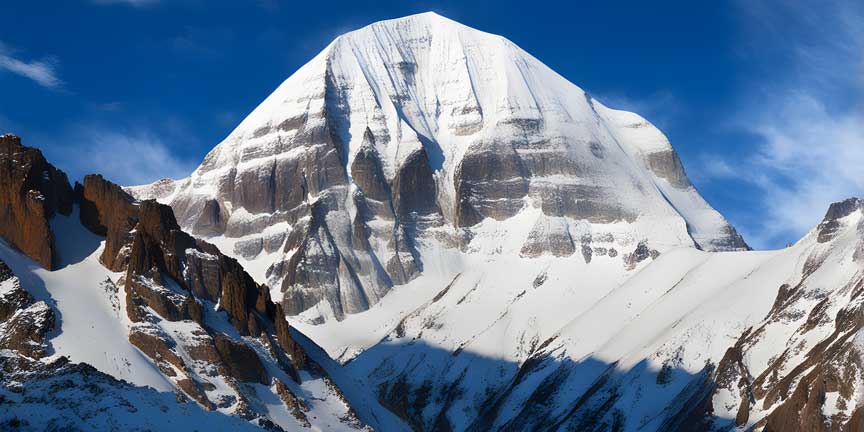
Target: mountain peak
{"points": [[420, 133], [422, 19]]}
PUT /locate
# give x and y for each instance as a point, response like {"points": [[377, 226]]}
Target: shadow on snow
{"points": [[435, 389]]}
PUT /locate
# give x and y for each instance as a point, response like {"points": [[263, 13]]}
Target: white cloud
{"points": [[42, 72], [809, 159], [809, 118], [124, 156]]}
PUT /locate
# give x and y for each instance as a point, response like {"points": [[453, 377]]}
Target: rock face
{"points": [[166, 269], [171, 277], [832, 222], [414, 134], [24, 322], [31, 192], [143, 239], [107, 210]]}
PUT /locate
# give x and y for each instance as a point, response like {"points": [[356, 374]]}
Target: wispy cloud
{"points": [[808, 159], [128, 156], [809, 120], [43, 72]]}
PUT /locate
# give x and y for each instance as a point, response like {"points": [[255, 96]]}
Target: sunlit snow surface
{"points": [[91, 327]]}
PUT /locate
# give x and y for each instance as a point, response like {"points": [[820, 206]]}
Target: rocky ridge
{"points": [[56, 394], [205, 324]]}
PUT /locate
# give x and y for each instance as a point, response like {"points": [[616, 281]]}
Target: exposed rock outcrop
{"points": [[641, 253], [107, 210], [814, 380], [164, 265], [240, 361], [169, 275], [31, 192], [24, 322], [549, 235], [830, 224]]}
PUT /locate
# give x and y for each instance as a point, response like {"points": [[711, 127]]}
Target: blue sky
{"points": [[762, 99]]}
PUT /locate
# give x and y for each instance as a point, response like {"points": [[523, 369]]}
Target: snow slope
{"points": [[500, 332], [91, 327], [74, 397]]}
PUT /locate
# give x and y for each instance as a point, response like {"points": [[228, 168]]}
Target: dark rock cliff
{"points": [[32, 191]]}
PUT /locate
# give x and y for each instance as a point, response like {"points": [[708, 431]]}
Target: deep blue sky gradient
{"points": [[184, 73]]}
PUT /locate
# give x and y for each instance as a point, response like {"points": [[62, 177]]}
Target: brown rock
{"points": [[295, 405], [31, 192], [641, 253], [25, 323], [830, 224], [107, 210], [195, 391], [157, 349], [283, 335], [240, 361]]}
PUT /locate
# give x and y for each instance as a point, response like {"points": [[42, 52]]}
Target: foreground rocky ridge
{"points": [[205, 324], [56, 394], [816, 382]]}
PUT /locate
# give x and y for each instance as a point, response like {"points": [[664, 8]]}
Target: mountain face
{"points": [[423, 228], [419, 134]]}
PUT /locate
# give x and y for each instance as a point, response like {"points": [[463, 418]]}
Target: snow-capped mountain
{"points": [[419, 134], [428, 229]]}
